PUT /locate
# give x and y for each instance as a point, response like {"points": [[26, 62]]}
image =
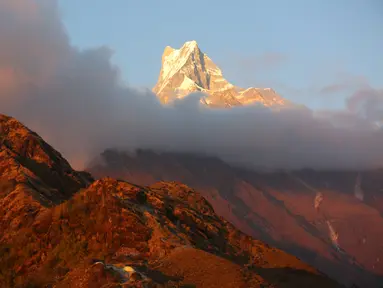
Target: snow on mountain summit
{"points": [[188, 70]]}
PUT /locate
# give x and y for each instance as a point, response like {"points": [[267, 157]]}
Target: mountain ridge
{"points": [[340, 235], [62, 228]]}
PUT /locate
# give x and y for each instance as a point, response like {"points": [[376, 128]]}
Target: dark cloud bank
{"points": [[76, 100]]}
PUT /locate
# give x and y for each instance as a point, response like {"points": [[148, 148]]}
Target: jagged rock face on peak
{"points": [[188, 69]]}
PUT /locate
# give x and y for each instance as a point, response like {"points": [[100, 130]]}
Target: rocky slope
{"points": [[59, 228], [27, 161], [188, 70], [330, 219]]}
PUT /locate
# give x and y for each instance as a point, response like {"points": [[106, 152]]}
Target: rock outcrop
{"points": [[27, 160]]}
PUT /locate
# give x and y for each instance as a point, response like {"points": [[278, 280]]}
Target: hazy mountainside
{"points": [[59, 228], [332, 220], [188, 70]]}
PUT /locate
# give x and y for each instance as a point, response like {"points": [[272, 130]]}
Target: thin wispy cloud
{"points": [[346, 83], [367, 102], [259, 63]]}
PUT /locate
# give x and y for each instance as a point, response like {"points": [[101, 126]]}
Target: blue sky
{"points": [[297, 47]]}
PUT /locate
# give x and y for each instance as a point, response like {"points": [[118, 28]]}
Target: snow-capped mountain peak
{"points": [[188, 70]]}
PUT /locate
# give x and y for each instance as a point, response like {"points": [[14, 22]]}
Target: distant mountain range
{"points": [[188, 70]]}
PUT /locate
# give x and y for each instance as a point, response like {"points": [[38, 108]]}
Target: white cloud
{"points": [[75, 100]]}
